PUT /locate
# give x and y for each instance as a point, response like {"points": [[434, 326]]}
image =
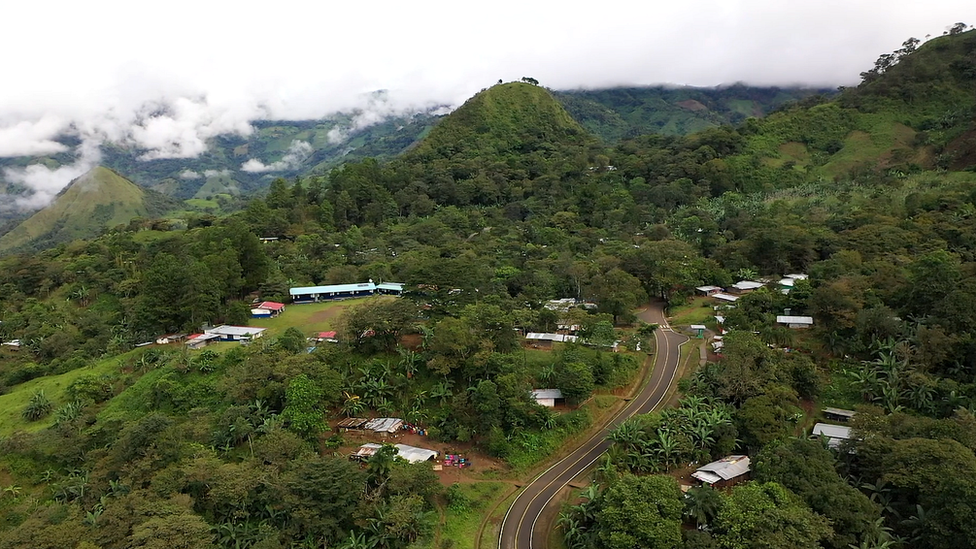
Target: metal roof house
{"points": [[236, 333], [559, 338], [412, 454], [795, 321], [561, 305], [389, 288], [547, 397], [267, 309], [708, 290], [835, 434], [724, 472], [197, 341], [314, 294], [383, 425], [725, 297], [745, 286], [838, 414]]}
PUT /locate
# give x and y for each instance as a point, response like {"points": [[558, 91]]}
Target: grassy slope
{"points": [[899, 120], [100, 198], [307, 317], [14, 402]]}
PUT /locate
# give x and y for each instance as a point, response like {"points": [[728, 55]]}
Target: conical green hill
{"points": [[98, 199], [504, 119]]}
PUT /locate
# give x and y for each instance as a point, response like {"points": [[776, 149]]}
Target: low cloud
{"points": [[26, 138], [166, 98], [297, 153], [45, 183], [216, 173], [190, 174]]}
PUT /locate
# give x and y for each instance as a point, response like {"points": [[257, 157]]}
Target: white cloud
{"points": [[190, 174], [31, 138], [105, 70], [45, 183], [216, 173], [297, 152]]}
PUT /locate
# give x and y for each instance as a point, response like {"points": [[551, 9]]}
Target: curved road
{"points": [[519, 526]]}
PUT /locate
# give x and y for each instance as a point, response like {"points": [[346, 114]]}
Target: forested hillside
{"points": [[507, 203], [617, 113]]}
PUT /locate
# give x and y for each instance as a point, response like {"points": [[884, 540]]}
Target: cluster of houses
{"points": [[734, 469], [742, 287], [272, 309], [565, 330], [728, 298], [384, 427]]}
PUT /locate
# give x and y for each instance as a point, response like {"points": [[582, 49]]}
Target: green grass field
{"points": [[307, 317], [13, 403], [461, 527], [697, 310]]}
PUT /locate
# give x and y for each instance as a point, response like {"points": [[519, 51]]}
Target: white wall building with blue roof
{"points": [[314, 294]]}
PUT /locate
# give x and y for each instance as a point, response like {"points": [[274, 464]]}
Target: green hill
{"points": [[914, 115], [512, 118], [98, 199]]}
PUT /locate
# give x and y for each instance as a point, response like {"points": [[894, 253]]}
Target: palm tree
{"points": [[548, 373], [917, 522], [921, 397], [408, 361], [702, 505], [628, 434], [353, 405], [385, 406], [442, 391], [573, 531], [747, 273], [667, 447], [867, 382]]}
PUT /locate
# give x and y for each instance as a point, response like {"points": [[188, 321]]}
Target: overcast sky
{"points": [[165, 76]]}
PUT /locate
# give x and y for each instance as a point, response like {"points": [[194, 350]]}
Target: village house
{"points": [[708, 290], [412, 454], [12, 344], [236, 333], [724, 472], [795, 322], [546, 340], [835, 434], [267, 309], [314, 294], [838, 414], [548, 397], [745, 286], [170, 338], [330, 337]]}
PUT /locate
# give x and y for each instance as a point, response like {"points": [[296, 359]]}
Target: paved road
{"points": [[519, 529]]}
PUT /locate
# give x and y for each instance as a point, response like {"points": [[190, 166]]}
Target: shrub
{"points": [[38, 407]]}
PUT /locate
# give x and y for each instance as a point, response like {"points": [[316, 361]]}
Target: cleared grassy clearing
{"points": [[54, 387]]}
